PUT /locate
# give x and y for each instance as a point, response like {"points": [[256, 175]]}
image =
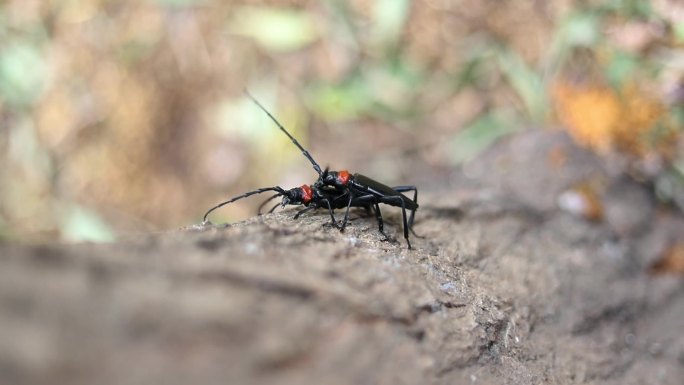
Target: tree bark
{"points": [[503, 288]]}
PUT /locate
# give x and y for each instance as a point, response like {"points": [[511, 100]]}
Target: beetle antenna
{"points": [[264, 203], [273, 208], [308, 156], [277, 189]]}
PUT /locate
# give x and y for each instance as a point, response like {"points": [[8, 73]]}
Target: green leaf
{"points": [[629, 8], [679, 31], [389, 18], [527, 83], [340, 102], [481, 133], [23, 73], [621, 68], [81, 225], [581, 29], [276, 29]]}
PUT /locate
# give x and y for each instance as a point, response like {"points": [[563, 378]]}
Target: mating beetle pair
{"points": [[337, 190]]}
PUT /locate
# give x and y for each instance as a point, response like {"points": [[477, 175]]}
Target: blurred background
{"points": [[120, 116]]}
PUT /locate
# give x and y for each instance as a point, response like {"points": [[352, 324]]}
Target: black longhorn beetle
{"points": [[312, 199], [336, 190], [303, 195]]}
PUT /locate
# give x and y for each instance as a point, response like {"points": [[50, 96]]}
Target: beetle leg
{"points": [[401, 189], [398, 201], [302, 211], [332, 215], [381, 226], [346, 213]]}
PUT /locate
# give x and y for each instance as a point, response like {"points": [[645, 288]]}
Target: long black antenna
{"points": [[274, 208], [264, 203], [277, 189], [308, 156]]}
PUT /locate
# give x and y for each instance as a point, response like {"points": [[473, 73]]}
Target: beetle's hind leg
{"points": [[399, 202], [402, 189]]}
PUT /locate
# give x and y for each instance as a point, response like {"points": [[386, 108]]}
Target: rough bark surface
{"points": [[503, 288]]}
